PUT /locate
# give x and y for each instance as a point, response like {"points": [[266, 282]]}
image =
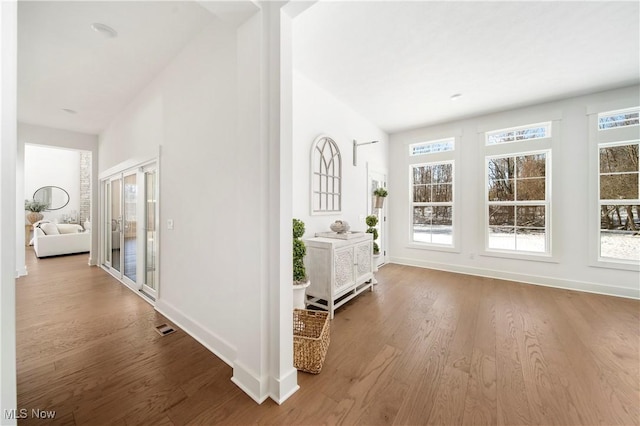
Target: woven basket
{"points": [[310, 339]]}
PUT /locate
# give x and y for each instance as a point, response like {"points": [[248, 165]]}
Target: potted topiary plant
{"points": [[35, 208], [372, 221], [300, 279], [380, 194]]}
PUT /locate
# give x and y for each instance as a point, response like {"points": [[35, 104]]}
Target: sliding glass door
{"points": [[129, 233]]}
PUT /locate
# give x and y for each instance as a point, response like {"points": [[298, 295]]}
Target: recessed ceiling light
{"points": [[70, 111], [456, 96], [105, 30]]}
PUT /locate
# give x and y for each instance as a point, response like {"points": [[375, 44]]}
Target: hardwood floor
{"points": [[425, 347]]}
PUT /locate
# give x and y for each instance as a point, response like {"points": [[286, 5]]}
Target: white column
{"points": [[283, 377], [8, 147], [264, 363]]}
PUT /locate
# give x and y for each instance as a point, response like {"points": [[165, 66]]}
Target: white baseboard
{"points": [[249, 383], [278, 390], [583, 286], [259, 389], [282, 389], [22, 272], [221, 348]]}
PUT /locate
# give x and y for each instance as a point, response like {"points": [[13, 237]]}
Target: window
{"points": [[432, 203], [619, 200], [515, 134], [431, 147], [620, 118], [326, 176], [517, 202]]}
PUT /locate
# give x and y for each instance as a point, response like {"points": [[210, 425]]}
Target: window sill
{"points": [[612, 264], [542, 257], [433, 247]]}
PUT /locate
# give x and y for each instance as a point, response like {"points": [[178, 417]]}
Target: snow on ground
{"points": [[620, 246]]}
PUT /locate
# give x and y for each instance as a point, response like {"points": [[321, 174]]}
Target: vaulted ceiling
{"points": [[396, 63]]}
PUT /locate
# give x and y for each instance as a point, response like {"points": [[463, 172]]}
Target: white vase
{"points": [[299, 295]]}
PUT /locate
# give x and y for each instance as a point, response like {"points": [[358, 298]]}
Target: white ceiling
{"points": [[397, 63], [63, 63]]}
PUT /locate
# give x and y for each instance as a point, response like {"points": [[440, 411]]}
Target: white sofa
{"points": [[51, 239]]}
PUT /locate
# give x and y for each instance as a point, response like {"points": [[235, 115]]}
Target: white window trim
{"points": [[434, 158], [547, 124], [617, 112], [518, 148], [598, 138], [420, 244], [612, 262], [433, 142], [521, 254]]}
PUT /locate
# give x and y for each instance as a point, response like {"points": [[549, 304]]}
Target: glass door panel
{"points": [[106, 228], [130, 226], [116, 223], [151, 235], [378, 180]]}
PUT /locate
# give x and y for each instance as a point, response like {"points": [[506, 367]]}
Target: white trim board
{"points": [[249, 382], [282, 389], [220, 347], [582, 286]]}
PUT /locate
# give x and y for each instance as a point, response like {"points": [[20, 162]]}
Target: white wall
{"points": [[317, 112], [189, 111], [205, 117], [44, 166], [570, 266]]}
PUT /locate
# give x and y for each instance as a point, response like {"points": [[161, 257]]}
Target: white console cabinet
{"points": [[339, 270]]}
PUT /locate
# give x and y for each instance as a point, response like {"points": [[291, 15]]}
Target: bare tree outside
{"points": [[433, 203], [619, 202], [515, 184]]}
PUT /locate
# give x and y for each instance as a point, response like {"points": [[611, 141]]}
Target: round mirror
{"points": [[54, 196]]}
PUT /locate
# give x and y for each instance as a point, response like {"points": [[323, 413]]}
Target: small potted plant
{"points": [[35, 208], [380, 194], [300, 279], [372, 221]]}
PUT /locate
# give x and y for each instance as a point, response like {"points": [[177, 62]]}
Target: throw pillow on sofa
{"points": [[69, 228], [49, 229]]}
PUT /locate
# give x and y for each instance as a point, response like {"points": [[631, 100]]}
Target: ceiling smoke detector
{"points": [[105, 30]]}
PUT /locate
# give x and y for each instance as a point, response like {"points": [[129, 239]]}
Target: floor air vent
{"points": [[165, 329]]}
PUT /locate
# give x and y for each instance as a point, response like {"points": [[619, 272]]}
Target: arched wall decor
{"points": [[326, 177]]}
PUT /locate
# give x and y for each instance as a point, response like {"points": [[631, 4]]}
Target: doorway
{"points": [[378, 179], [129, 228]]}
